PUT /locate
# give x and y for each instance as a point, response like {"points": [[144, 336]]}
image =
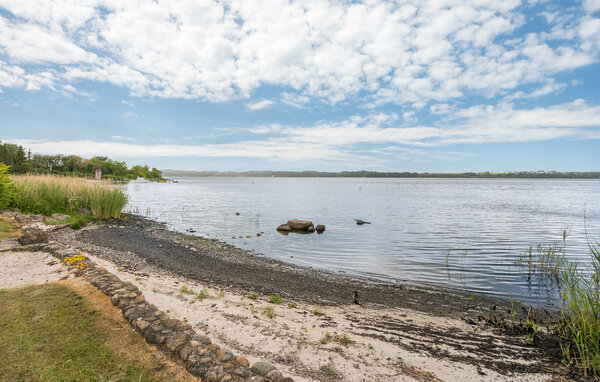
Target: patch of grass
{"points": [[187, 290], [50, 333], [292, 305], [275, 299], [48, 194], [299, 345], [203, 294], [317, 311], [252, 296], [222, 293], [345, 339], [269, 311], [78, 221], [326, 338], [545, 260], [7, 229], [330, 370]]}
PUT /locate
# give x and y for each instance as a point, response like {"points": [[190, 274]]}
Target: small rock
{"points": [[320, 228], [176, 341], [361, 222], [284, 228], [274, 375], [242, 361], [262, 368]]}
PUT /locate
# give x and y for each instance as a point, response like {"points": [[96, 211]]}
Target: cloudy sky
{"points": [[416, 85]]}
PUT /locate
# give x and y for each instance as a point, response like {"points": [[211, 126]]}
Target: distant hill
{"points": [[375, 174]]}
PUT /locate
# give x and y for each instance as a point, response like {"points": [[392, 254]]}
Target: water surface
{"points": [[458, 233]]}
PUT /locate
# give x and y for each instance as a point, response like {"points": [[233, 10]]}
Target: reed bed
{"points": [[581, 313], [48, 194]]}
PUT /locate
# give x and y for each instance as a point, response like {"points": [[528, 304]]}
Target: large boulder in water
{"points": [[301, 225]]}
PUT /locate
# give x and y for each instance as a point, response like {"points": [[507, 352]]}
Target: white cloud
{"points": [[409, 53], [121, 138], [339, 141], [259, 105]]}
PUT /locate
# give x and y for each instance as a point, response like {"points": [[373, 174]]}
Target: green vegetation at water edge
{"points": [[47, 194], [21, 162], [579, 326], [581, 313], [51, 333]]}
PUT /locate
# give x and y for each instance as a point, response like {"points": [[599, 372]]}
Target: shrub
{"points": [[275, 299]]}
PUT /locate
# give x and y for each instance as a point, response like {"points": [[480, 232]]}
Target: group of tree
{"points": [[378, 174], [21, 161]]}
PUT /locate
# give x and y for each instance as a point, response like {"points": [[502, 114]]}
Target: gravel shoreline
{"points": [[136, 243]]}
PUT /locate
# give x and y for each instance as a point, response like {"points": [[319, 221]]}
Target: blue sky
{"points": [[297, 85]]}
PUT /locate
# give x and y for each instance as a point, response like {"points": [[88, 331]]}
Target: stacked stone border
{"points": [[177, 339]]}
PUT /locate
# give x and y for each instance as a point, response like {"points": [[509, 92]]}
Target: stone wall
{"points": [[177, 339]]}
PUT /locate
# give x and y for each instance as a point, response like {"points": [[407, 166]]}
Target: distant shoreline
{"points": [[375, 174]]}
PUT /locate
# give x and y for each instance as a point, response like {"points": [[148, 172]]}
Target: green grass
{"points": [[581, 313], [276, 299], [252, 296], [269, 311], [50, 333], [46, 194], [548, 259], [187, 290], [7, 229], [317, 311], [203, 294]]}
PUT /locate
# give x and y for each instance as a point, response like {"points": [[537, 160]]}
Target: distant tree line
{"points": [[377, 174], [23, 162]]}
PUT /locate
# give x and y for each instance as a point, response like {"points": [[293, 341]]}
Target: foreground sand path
{"points": [[379, 344], [29, 268]]}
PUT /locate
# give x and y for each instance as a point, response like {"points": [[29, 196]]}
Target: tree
{"points": [[20, 161], [7, 190]]}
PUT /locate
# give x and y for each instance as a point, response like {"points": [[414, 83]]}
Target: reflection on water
{"points": [[460, 233]]}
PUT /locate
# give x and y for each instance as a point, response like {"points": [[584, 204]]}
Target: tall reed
{"points": [[48, 194], [581, 312]]}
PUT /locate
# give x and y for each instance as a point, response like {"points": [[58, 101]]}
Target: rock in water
{"points": [[33, 236], [284, 228], [300, 225], [320, 228], [361, 222]]}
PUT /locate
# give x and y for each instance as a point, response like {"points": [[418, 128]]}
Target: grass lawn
{"points": [[52, 332], [7, 229]]}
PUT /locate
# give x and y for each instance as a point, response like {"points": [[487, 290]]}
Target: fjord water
{"points": [[457, 233]]}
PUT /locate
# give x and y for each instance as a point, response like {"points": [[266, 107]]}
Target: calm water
{"points": [[487, 223]]}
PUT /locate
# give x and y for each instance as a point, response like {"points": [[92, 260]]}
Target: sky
{"points": [[330, 85]]}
